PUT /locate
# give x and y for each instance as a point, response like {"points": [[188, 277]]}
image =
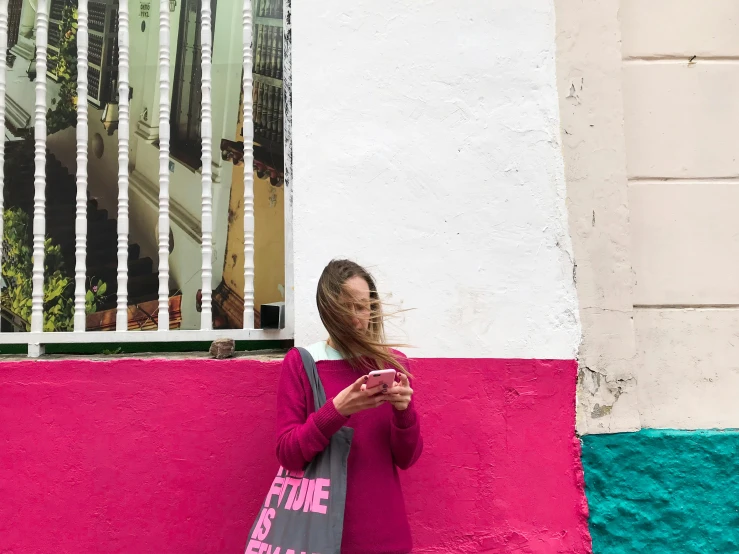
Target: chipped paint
{"points": [[591, 111]]}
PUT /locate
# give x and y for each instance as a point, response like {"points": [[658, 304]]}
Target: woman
{"points": [[386, 426]]}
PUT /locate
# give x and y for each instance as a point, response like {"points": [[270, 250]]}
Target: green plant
{"points": [[58, 291], [17, 271], [94, 295], [64, 62], [16, 262], [112, 352]]}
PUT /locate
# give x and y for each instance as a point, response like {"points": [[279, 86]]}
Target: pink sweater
{"points": [[385, 439]]}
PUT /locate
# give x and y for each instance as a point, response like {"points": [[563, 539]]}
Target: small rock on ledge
{"points": [[222, 349]]}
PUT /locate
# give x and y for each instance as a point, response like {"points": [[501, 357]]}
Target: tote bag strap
{"points": [[319, 395]]}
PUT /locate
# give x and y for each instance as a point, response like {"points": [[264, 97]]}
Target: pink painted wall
{"points": [[173, 456]]}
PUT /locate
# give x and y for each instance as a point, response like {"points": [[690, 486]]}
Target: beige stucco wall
{"points": [[591, 107], [648, 94]]}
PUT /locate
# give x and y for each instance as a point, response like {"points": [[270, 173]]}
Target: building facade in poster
{"points": [[184, 167]]}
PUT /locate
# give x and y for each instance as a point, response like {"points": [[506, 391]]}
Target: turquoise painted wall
{"points": [[663, 492]]}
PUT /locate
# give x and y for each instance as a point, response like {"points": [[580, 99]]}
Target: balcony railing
{"points": [[36, 338]]}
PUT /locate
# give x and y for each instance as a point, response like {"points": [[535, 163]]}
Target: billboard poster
{"points": [[185, 164]]}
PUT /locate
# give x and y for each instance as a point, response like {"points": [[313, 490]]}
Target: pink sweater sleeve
{"points": [[405, 433], [405, 437], [301, 432]]}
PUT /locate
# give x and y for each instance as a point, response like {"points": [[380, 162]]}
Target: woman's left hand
{"points": [[399, 395]]}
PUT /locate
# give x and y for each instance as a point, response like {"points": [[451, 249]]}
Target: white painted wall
{"points": [[426, 146]]}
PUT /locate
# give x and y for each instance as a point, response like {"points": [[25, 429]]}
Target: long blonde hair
{"points": [[363, 350]]}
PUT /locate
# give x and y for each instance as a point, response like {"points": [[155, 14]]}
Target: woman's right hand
{"points": [[356, 398]]}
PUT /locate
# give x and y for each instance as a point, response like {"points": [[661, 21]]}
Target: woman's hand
{"points": [[356, 398], [400, 393]]}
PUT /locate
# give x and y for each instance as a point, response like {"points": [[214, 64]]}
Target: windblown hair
{"points": [[363, 350]]}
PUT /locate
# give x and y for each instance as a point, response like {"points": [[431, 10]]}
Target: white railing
{"points": [[80, 222], [164, 165], [121, 319], [248, 182], [206, 126], [39, 174], [36, 338]]}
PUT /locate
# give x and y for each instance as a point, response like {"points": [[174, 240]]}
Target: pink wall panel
{"points": [[173, 456]]}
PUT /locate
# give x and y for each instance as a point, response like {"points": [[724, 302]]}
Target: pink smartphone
{"points": [[381, 377]]}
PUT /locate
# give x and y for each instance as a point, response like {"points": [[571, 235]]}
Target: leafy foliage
{"points": [[17, 272], [64, 114], [94, 295]]}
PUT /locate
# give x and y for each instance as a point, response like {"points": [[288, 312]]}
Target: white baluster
{"points": [[3, 48], [248, 172], [121, 319], [39, 176], [80, 224], [163, 165], [206, 132]]}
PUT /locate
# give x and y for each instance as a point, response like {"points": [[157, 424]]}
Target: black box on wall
{"points": [[273, 315]]}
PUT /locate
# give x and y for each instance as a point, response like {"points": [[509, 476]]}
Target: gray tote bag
{"points": [[304, 513]]}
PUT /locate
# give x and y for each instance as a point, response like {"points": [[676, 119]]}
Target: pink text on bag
{"points": [[257, 547], [308, 494], [288, 492]]}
